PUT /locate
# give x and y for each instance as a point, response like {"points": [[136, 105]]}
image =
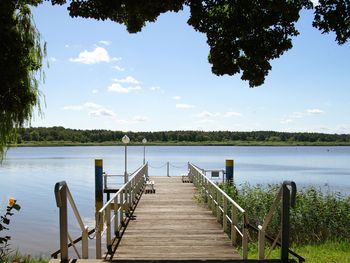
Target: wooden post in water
{"points": [[229, 171], [98, 203], [98, 184]]}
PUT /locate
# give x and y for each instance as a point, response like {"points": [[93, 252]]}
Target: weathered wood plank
{"points": [[171, 225]]}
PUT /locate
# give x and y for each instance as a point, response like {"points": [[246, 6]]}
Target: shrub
{"points": [[318, 216]]}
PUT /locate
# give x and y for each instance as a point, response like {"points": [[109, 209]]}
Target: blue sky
{"points": [[101, 77]]}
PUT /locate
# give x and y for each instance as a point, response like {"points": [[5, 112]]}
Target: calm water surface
{"points": [[29, 174]]}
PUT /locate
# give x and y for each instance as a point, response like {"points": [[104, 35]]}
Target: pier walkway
{"points": [[171, 224], [187, 219]]}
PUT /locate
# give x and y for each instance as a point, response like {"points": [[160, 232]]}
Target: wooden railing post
{"points": [[261, 243], [63, 222], [116, 216], [121, 212], [233, 225], [224, 216], [98, 231], [218, 199], [108, 223], [245, 239], [85, 243]]}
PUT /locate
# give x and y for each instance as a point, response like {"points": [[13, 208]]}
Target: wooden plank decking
{"points": [[171, 225]]}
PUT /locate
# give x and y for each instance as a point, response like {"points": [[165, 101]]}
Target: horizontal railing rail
{"points": [[107, 175], [115, 213], [231, 215]]}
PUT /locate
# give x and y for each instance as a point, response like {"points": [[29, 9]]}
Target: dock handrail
{"points": [[121, 204], [287, 194], [62, 194], [223, 206]]}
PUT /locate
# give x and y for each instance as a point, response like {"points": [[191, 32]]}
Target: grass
{"points": [[335, 251], [18, 258]]}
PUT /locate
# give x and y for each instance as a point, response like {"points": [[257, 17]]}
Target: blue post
{"points": [[98, 184], [229, 170]]}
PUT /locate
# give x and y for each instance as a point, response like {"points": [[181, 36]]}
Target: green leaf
{"points": [[16, 207], [6, 221]]}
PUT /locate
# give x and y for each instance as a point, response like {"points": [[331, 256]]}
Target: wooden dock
{"points": [[170, 224]]}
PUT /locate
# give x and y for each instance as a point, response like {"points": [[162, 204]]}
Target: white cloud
{"points": [[134, 88], [315, 111], [116, 87], [298, 115], [102, 112], [206, 114], [155, 88], [104, 42], [140, 119], [94, 91], [119, 68], [128, 80], [176, 97], [66, 46], [73, 107], [343, 128], [184, 106], [286, 121], [92, 106], [93, 109], [53, 59], [97, 110], [232, 114], [99, 54]]}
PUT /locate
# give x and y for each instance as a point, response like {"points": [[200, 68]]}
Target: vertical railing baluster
{"points": [[116, 217], [98, 231], [233, 225], [108, 224], [218, 199], [85, 243], [245, 238], [224, 215]]}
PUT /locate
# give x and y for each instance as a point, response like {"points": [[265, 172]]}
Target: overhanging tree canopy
{"points": [[20, 64], [243, 36]]}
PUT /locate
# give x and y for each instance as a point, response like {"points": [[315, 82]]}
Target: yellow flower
{"points": [[12, 201]]}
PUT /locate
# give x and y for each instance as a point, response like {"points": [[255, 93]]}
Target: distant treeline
{"points": [[56, 134]]}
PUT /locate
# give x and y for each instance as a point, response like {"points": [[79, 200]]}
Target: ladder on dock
{"points": [[171, 223]]}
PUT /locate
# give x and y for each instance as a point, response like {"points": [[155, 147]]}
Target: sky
{"points": [[102, 77]]}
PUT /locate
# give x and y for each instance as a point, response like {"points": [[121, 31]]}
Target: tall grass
{"points": [[318, 216]]}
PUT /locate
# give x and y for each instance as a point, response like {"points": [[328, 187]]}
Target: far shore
{"points": [[179, 143]]}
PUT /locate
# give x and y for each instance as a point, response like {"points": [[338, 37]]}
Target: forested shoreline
{"points": [[61, 135]]}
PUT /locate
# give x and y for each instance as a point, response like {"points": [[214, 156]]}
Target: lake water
{"points": [[29, 175]]}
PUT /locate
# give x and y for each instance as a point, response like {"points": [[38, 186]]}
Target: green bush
{"points": [[318, 216]]}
